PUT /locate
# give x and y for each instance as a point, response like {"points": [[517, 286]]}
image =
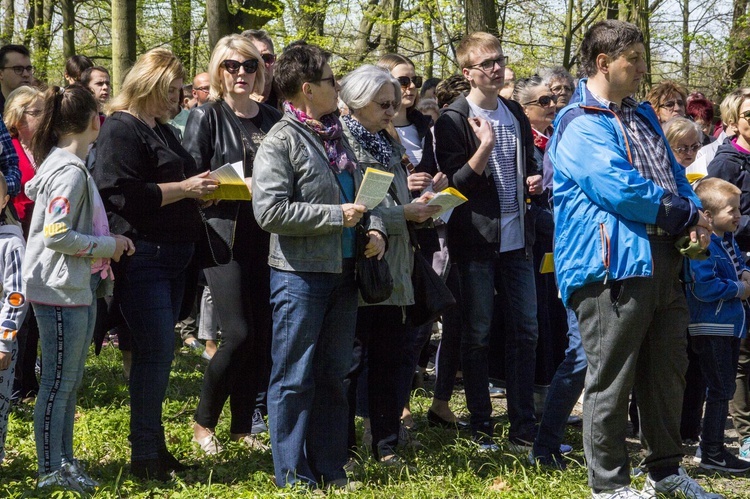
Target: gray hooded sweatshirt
{"points": [[61, 247]]}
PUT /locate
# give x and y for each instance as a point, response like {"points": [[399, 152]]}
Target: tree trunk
{"points": [[311, 20], [363, 46], [181, 30], [69, 31], [739, 50], [427, 43], [123, 40], [9, 8], [42, 22], [232, 16], [481, 16], [686, 42], [391, 25]]}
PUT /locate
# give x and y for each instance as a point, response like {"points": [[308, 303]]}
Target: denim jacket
{"points": [[296, 197], [400, 255]]}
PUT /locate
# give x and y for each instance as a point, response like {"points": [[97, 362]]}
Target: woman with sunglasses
{"points": [[150, 186], [373, 97], [304, 188], [226, 129], [668, 99], [412, 130]]}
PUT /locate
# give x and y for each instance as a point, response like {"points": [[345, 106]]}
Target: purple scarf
{"points": [[328, 128]]}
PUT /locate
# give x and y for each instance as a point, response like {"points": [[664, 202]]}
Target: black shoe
{"points": [[434, 420], [724, 461], [150, 469], [170, 463]]}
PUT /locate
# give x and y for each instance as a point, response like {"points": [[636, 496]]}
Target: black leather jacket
{"points": [[214, 136]]}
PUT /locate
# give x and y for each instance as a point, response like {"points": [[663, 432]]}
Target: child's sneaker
{"points": [[745, 449], [724, 461]]}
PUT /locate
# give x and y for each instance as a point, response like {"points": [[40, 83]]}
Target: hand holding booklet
{"points": [[374, 187], [232, 184], [447, 199]]}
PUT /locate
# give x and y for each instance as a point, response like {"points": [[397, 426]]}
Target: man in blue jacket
{"points": [[621, 201]]}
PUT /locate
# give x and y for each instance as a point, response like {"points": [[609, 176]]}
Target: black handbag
{"points": [[431, 296], [374, 278]]}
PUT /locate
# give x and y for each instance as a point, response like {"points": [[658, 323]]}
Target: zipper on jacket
{"points": [[718, 309], [605, 249]]}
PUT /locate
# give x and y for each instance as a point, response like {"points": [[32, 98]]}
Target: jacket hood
{"points": [[728, 152], [11, 230], [57, 161]]}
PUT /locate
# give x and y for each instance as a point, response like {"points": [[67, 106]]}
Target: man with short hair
{"points": [[97, 80], [484, 144], [201, 88], [621, 202], [15, 70], [264, 44]]}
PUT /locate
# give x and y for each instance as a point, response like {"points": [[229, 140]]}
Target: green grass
{"points": [[448, 467]]}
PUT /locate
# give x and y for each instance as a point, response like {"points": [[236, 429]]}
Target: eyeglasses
{"points": [[205, 89], [671, 104], [405, 81], [387, 105], [20, 69], [683, 149], [543, 101], [558, 89], [268, 58], [489, 64], [331, 79], [233, 67], [33, 112]]}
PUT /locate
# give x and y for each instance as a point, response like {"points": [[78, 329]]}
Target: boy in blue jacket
{"points": [[715, 292]]}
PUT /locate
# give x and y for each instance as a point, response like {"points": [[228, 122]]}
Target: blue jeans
{"points": [[563, 393], [718, 357], [65, 335], [150, 290], [314, 317], [515, 274]]}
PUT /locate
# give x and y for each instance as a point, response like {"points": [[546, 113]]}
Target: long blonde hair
{"points": [[146, 85]]}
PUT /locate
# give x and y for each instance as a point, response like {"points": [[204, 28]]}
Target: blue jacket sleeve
{"points": [[708, 285]]}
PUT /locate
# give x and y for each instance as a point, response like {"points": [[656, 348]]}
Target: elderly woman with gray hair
{"points": [[560, 83], [373, 97]]}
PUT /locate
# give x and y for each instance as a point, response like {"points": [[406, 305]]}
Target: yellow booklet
{"points": [[374, 187], [232, 184], [547, 264], [447, 199]]}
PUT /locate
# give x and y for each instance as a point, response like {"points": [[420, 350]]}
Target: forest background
{"points": [[704, 44]]}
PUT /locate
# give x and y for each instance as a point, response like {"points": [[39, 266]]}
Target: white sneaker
{"points": [[621, 493], [745, 449], [679, 485]]}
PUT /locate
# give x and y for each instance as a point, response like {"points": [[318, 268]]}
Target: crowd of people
{"points": [[109, 229]]}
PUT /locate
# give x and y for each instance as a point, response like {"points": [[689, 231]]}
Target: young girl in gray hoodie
{"points": [[66, 267]]}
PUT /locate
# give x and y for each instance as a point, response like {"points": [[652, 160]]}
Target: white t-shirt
{"points": [[503, 166], [410, 140]]}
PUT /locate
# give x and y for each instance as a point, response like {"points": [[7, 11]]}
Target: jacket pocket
{"points": [[605, 249]]}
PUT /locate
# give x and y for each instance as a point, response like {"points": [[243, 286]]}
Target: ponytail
{"points": [[66, 111]]}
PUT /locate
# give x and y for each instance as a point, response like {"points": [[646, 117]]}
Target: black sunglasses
{"points": [[268, 58], [387, 105], [233, 67], [543, 101], [405, 81]]}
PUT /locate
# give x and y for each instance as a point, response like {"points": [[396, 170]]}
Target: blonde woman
{"points": [[150, 184], [228, 129]]}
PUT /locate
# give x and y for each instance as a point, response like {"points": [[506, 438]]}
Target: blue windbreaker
{"points": [[601, 202]]}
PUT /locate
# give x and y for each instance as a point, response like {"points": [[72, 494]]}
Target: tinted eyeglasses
{"points": [[20, 69], [671, 104], [233, 67], [268, 58], [33, 112], [203, 89], [683, 149], [405, 81], [558, 89], [490, 63], [746, 115], [331, 79], [387, 105], [543, 101]]}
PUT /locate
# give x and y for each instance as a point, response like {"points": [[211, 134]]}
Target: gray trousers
{"points": [[633, 332], [739, 407]]}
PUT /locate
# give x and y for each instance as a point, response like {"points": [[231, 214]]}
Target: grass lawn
{"points": [[448, 467]]}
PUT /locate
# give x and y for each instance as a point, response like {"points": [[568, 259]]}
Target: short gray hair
{"points": [[525, 87], [360, 86], [556, 73]]}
